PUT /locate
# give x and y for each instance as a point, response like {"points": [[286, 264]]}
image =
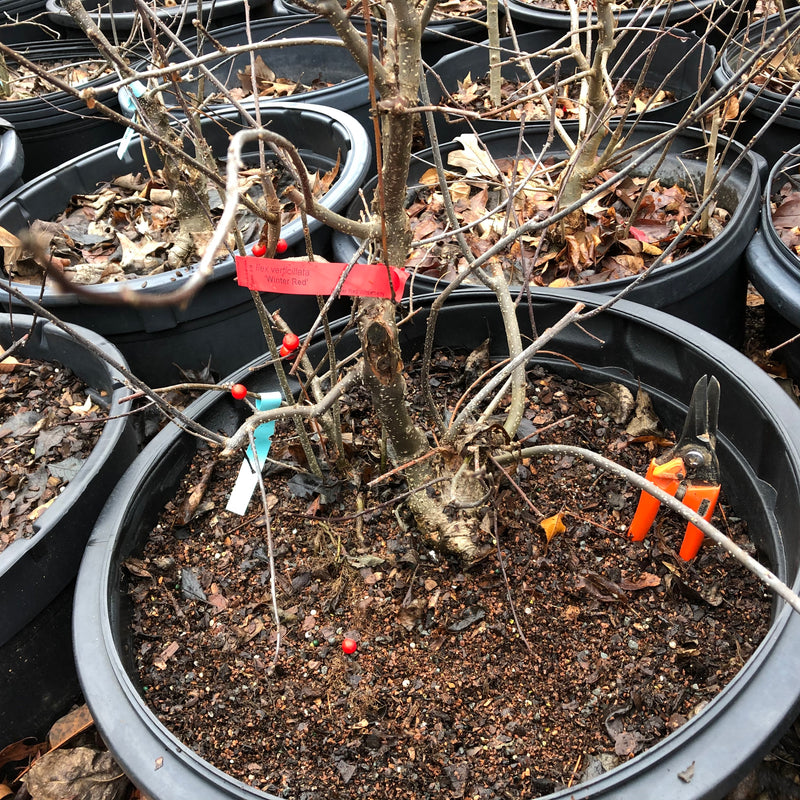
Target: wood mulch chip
{"points": [[561, 654]]}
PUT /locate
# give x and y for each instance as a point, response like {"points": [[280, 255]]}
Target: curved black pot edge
{"points": [[775, 272], [759, 104], [721, 743], [37, 673], [12, 159], [125, 20]]}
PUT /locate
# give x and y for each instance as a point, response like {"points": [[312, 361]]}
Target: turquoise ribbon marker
{"points": [[247, 479]]}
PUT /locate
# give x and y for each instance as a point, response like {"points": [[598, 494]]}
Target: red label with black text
{"points": [[319, 277]]}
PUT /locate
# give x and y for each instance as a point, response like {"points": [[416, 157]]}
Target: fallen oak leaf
{"points": [[646, 580], [12, 248], [552, 526]]}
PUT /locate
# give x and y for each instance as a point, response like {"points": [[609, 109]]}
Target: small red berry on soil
{"points": [[239, 391], [349, 646], [281, 246], [259, 248]]}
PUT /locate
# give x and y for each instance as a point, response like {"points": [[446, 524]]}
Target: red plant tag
{"points": [[318, 277]]}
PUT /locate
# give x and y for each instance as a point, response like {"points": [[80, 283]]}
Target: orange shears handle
{"points": [[666, 476], [702, 498]]}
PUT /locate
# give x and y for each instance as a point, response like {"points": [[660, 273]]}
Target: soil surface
{"points": [[565, 651], [268, 84], [49, 424], [519, 99]]}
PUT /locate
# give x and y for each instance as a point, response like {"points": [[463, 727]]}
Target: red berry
{"points": [[259, 248], [239, 391], [284, 351], [349, 646], [281, 246], [291, 342]]}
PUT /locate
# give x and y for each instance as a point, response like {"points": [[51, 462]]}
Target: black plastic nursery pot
{"points": [[120, 15], [55, 126], [220, 324], [759, 450], [706, 287], [689, 15], [775, 271], [671, 60], [441, 36], [349, 87], [38, 681], [758, 104], [12, 158]]}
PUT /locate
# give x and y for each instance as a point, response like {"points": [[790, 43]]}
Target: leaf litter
{"points": [[127, 228], [49, 423], [613, 244], [785, 204], [20, 84], [441, 697], [519, 100]]}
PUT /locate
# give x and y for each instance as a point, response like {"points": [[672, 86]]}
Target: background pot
{"points": [[304, 62], [120, 15], [687, 14], [759, 449], [775, 271], [54, 126], [17, 23], [220, 323], [12, 158], [707, 287], [671, 60], [38, 681], [757, 104], [441, 36]]}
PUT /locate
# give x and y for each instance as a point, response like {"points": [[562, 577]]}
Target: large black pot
{"points": [[55, 126], [756, 103], [707, 287], [671, 60], [759, 450], [120, 15], [220, 323], [775, 270], [38, 681]]}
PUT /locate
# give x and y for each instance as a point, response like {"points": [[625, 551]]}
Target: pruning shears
{"points": [[689, 471]]}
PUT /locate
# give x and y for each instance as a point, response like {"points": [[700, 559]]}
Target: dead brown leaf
{"points": [[552, 526]]}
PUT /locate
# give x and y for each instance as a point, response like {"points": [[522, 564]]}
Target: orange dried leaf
{"points": [[552, 526], [8, 364]]}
